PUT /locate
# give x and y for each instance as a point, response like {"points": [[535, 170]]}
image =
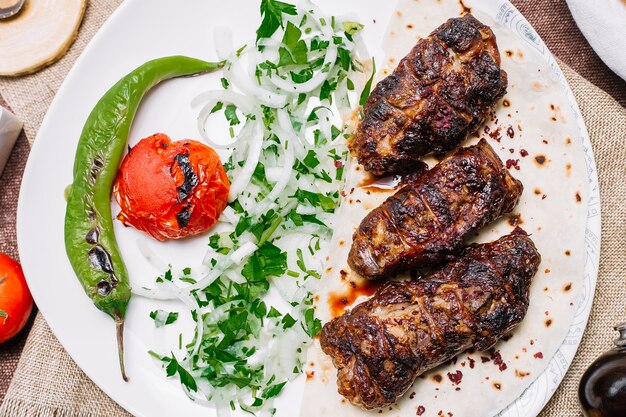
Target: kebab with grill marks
{"points": [[439, 93], [408, 327], [425, 222]]}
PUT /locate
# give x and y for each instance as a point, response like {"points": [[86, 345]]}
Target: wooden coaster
{"points": [[39, 35]]}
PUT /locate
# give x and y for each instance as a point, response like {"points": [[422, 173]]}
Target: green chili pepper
{"points": [[89, 239]]}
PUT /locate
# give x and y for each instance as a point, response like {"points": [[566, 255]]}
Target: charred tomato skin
{"points": [[171, 190]]}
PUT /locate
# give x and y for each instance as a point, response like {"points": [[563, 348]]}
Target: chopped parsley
{"points": [[368, 85], [231, 114], [273, 390], [296, 52], [352, 28], [315, 199], [267, 261], [309, 272], [173, 368], [312, 326], [310, 160], [287, 321], [218, 106], [272, 12], [299, 219], [163, 318]]}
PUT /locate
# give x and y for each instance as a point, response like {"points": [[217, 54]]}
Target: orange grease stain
{"points": [[338, 301]]}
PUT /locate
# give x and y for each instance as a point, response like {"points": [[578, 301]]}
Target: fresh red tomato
{"points": [[16, 303], [171, 190]]}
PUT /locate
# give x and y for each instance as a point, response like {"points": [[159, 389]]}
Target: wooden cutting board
{"points": [[39, 35]]}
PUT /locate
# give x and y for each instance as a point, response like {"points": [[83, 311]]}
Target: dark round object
{"points": [[602, 389]]}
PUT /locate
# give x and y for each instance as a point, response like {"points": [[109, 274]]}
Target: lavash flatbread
{"points": [[535, 130]]}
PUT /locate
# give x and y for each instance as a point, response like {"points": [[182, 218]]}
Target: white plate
{"points": [[138, 31]]}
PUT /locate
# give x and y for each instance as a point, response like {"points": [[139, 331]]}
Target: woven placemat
{"points": [[10, 181], [30, 95], [48, 383]]}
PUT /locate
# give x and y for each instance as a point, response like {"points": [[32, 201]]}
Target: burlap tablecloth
{"points": [[48, 383]]}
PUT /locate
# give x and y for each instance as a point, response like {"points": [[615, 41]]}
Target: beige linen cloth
{"points": [[48, 383]]}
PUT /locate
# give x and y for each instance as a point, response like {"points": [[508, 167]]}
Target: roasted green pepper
{"points": [[89, 239]]}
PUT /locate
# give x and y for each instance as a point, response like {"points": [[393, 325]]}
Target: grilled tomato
{"points": [[16, 303], [171, 190]]}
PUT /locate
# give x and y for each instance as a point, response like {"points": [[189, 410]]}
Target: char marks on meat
{"points": [[383, 344], [425, 222], [439, 93]]}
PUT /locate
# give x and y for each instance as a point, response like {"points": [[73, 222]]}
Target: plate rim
{"points": [[529, 403], [552, 376]]}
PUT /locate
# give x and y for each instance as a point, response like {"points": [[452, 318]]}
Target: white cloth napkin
{"points": [[10, 128], [603, 22]]}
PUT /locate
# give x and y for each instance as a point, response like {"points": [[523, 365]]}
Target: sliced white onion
{"points": [[151, 256], [192, 305], [285, 128], [270, 43], [211, 255], [235, 277], [361, 47], [273, 174], [243, 252], [223, 38], [289, 86], [210, 277], [325, 116], [285, 177], [255, 146], [195, 398], [152, 293], [302, 209], [343, 102], [242, 102], [230, 216], [235, 73], [329, 60], [211, 98]]}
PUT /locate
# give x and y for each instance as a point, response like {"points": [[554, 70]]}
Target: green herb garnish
{"points": [[163, 318], [368, 85], [272, 12], [173, 368]]}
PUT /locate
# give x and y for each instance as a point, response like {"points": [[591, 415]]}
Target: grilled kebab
{"points": [[383, 344], [439, 93], [425, 222]]}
